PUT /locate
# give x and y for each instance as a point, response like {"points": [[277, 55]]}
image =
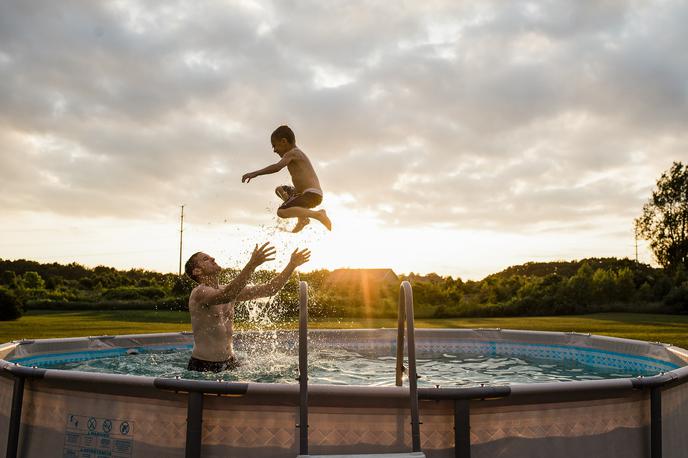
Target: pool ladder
{"points": [[404, 315]]}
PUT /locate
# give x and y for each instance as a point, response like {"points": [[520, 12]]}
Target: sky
{"points": [[456, 137]]}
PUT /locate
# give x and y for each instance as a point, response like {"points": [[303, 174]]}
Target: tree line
{"points": [[551, 288]]}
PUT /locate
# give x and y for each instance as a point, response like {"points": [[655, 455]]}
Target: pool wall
{"points": [[70, 413]]}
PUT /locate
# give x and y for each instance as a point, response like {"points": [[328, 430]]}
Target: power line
{"points": [[52, 256], [123, 252], [80, 228], [62, 242]]}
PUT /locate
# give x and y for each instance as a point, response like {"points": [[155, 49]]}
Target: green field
{"points": [[671, 329]]}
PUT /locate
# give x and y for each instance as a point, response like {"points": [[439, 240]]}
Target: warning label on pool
{"points": [[93, 437]]}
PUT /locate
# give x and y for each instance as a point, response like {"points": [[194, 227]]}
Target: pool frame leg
{"points": [[15, 417], [194, 425], [656, 422], [462, 429]]}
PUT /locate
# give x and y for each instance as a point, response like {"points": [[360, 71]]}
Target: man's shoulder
{"points": [[199, 292], [200, 288]]}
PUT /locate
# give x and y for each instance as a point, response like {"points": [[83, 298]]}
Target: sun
{"points": [[358, 239]]}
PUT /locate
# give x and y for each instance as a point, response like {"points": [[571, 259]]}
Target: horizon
{"points": [[455, 137]]}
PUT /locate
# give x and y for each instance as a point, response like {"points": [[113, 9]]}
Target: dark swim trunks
{"points": [[200, 365], [293, 199]]}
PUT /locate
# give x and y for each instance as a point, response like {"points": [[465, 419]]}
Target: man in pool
{"points": [[211, 305]]}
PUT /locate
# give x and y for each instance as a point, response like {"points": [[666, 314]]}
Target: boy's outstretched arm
{"points": [[228, 293], [269, 289], [274, 168]]}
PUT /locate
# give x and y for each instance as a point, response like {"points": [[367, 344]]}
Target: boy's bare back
{"points": [[302, 172]]}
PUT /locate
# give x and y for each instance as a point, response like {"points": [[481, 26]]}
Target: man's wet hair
{"points": [[190, 266], [284, 132]]}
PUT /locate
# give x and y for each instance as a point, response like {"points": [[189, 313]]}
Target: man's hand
{"points": [[248, 177], [262, 254], [273, 286], [300, 257]]}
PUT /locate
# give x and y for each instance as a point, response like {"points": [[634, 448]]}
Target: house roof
{"points": [[357, 275]]}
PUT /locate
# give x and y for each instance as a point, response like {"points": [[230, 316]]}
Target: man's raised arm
{"points": [[269, 289], [229, 292]]}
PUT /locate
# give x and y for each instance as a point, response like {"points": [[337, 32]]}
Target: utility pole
{"points": [[635, 230], [181, 238]]}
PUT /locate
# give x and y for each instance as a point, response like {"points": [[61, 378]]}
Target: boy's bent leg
{"points": [[285, 192], [325, 219], [303, 222], [299, 206], [300, 212]]}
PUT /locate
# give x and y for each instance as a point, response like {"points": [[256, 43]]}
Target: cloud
{"points": [[513, 116]]}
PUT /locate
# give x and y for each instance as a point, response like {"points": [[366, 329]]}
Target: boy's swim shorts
{"points": [[308, 199]]}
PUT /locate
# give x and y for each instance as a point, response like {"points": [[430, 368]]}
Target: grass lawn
{"points": [[671, 329]]}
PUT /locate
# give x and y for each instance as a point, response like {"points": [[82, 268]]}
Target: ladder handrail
{"points": [[400, 370], [405, 313], [303, 368]]}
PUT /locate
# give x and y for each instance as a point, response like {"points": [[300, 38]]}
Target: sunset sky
{"points": [[457, 137]]}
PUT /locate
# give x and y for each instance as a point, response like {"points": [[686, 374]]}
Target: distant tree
{"points": [[645, 292], [54, 282], [681, 274], [10, 306], [624, 285], [664, 222], [579, 288], [86, 283], [678, 297], [487, 295], [9, 279], [662, 286], [506, 288], [32, 280], [603, 286]]}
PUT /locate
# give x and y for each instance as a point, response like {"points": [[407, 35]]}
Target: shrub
{"points": [[10, 306], [678, 297], [442, 312], [128, 293], [8, 278], [86, 283], [182, 286], [32, 280], [103, 305], [175, 303]]}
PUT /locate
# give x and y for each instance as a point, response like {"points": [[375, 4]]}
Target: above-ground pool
{"points": [[634, 403], [366, 357]]}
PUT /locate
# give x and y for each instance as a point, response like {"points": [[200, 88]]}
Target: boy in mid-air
{"points": [[306, 192]]}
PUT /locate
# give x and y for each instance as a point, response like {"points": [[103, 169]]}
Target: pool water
{"points": [[347, 367]]}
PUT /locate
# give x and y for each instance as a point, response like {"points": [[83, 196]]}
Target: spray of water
{"points": [[266, 347]]}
